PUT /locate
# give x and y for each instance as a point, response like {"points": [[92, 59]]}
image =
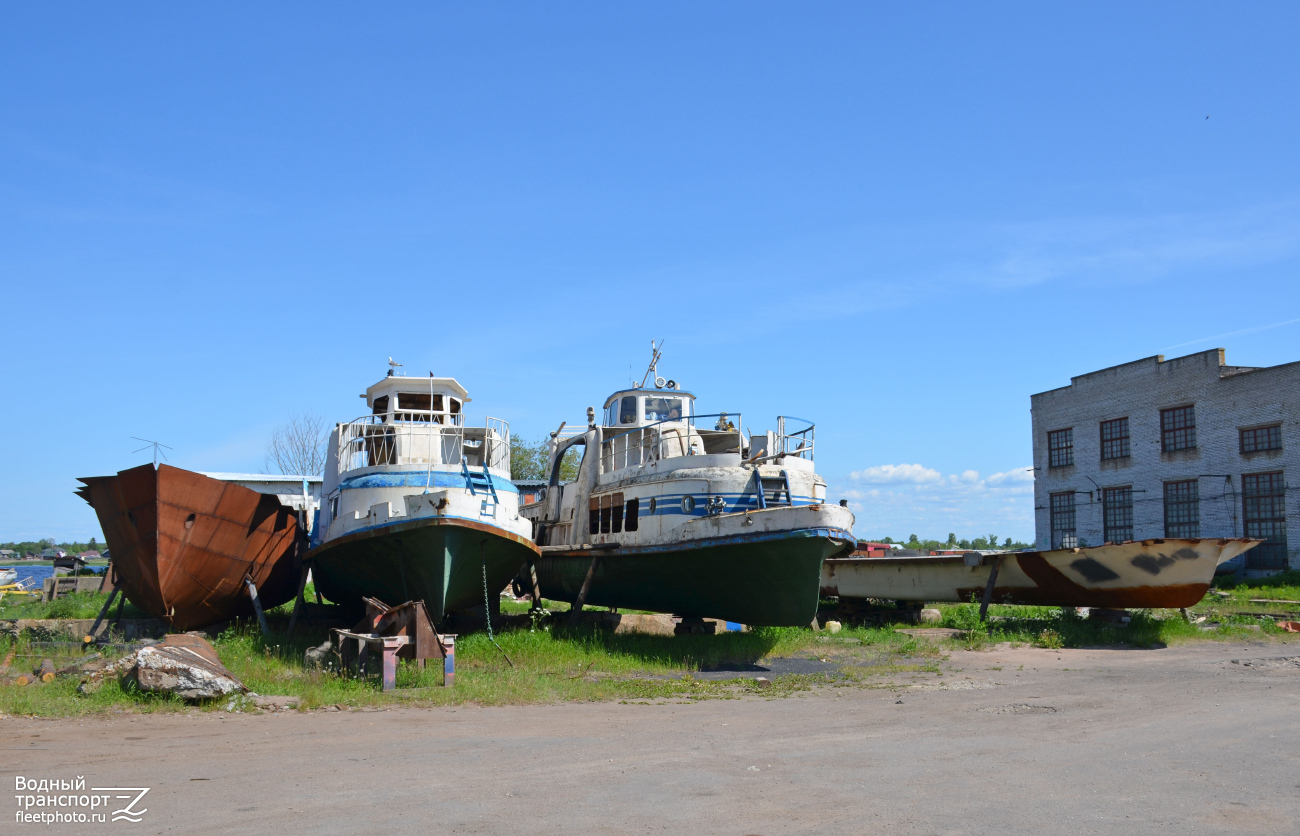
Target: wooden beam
{"points": [[576, 612]]}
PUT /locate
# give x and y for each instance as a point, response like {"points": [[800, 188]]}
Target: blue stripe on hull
{"points": [[418, 479]]}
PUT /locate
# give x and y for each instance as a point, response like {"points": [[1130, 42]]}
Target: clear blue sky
{"points": [[898, 223]]}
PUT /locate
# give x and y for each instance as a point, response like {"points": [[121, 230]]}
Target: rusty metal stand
{"points": [[298, 602], [988, 588], [576, 613], [536, 589], [103, 611], [401, 632], [257, 605]]}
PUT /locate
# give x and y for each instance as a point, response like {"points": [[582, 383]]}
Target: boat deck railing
{"points": [[798, 443], [671, 438], [370, 441]]}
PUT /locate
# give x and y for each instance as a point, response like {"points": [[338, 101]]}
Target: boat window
{"points": [[604, 514], [663, 409], [627, 413], [630, 519], [381, 405], [611, 412], [616, 513], [455, 406], [412, 400], [593, 516]]}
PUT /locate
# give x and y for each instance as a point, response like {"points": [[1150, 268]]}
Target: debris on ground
{"points": [[184, 664]]}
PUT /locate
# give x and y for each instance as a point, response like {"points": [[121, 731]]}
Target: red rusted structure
{"points": [[183, 543]]}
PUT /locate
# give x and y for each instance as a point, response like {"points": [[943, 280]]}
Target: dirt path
{"points": [[1124, 741]]}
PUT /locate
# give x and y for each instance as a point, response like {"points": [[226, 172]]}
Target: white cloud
{"points": [[893, 473], [915, 499]]}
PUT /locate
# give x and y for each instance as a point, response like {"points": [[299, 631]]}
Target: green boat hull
{"points": [[439, 561], [770, 582]]}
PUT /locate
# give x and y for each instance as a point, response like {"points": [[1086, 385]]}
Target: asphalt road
{"points": [[1075, 741]]}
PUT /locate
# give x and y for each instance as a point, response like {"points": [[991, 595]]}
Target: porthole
{"points": [[688, 504], [652, 505]]}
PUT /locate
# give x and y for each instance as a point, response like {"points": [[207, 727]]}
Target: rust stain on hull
{"points": [[182, 543]]}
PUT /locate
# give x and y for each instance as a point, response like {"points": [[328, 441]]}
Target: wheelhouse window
{"points": [[381, 405], [1264, 507], [1259, 439], [627, 410], [663, 409], [1062, 511], [1114, 439], [1177, 429], [1117, 514], [1060, 448], [1183, 509], [631, 519]]}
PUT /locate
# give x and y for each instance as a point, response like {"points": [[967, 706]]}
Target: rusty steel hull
{"points": [[1148, 573], [182, 543]]}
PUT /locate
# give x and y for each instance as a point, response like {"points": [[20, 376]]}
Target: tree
{"points": [[297, 448], [952, 540], [529, 460]]}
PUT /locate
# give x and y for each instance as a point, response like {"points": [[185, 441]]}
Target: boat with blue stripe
{"points": [[418, 506], [685, 513]]}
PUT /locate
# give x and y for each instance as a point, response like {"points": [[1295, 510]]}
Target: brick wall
{"points": [[1225, 400]]}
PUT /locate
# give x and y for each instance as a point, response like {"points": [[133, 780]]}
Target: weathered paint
{"points": [[436, 560], [182, 543], [1148, 573]]}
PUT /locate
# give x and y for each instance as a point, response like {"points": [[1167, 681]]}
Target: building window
{"points": [[1177, 429], [1060, 448], [1264, 504], [1117, 514], [1260, 439], [1063, 536], [1114, 439], [1183, 509]]}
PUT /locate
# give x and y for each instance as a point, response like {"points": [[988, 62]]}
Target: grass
{"points": [[560, 664]]}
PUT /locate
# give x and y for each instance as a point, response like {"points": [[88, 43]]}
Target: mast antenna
{"points": [[655, 354], [156, 451]]}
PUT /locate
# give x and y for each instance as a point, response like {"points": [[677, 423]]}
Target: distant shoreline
{"points": [[20, 562]]}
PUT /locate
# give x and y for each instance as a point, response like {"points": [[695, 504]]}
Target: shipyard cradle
{"points": [[418, 506], [683, 513]]}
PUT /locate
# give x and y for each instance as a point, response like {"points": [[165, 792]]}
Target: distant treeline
{"points": [[988, 542], [30, 547]]}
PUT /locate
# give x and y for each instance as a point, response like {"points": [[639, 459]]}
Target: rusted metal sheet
{"points": [[1148, 573], [182, 543]]}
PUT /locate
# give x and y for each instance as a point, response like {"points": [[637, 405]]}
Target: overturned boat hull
{"points": [[182, 543], [440, 561], [1141, 574], [768, 579]]}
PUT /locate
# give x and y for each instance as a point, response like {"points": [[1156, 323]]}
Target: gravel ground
{"points": [[1009, 741]]}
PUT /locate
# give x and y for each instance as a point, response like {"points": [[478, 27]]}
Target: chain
{"points": [[487, 615]]}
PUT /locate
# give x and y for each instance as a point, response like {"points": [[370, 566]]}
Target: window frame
{"points": [[1274, 431], [1122, 506], [1053, 512], [1169, 435], [1123, 441], [1272, 553], [1066, 450], [1187, 506]]}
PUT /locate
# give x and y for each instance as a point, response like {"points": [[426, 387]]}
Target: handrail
{"points": [[652, 441], [368, 442]]}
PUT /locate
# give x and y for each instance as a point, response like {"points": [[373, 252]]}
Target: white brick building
{"points": [[1166, 448]]}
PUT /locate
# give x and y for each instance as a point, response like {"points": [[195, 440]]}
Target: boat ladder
{"points": [[772, 488], [481, 483]]}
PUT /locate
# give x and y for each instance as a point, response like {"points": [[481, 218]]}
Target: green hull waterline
{"points": [[769, 583], [438, 561]]}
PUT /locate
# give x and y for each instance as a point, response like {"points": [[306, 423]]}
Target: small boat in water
{"points": [[1140, 574], [682, 513], [8, 575], [182, 543], [417, 505]]}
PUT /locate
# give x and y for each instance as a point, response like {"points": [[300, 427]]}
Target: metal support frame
{"points": [[390, 647], [581, 601], [257, 604], [988, 588], [103, 611]]}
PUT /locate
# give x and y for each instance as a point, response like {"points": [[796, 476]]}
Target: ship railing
{"points": [[672, 438], [370, 441], [798, 443]]}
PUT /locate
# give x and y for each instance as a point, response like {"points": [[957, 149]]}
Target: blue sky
{"points": [[899, 222]]}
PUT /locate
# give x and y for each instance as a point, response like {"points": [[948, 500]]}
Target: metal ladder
{"points": [[775, 485], [481, 483]]}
